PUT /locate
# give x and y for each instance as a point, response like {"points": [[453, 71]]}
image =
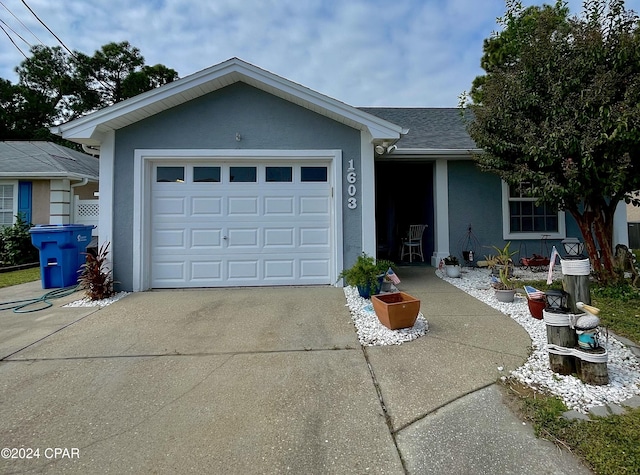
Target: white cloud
{"points": [[363, 52]]}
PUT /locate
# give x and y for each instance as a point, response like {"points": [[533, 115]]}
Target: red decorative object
{"points": [[536, 306]]}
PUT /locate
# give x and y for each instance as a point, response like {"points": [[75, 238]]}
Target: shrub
{"points": [[95, 278], [16, 247]]}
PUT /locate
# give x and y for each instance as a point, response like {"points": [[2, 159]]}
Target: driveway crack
{"points": [[383, 406]]}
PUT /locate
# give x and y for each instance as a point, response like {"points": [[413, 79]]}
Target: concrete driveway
{"points": [[263, 380]]}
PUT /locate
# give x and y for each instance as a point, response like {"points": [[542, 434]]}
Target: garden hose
{"points": [[41, 303]]}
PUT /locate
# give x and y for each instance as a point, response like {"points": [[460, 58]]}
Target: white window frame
{"points": [[506, 222], [14, 183]]}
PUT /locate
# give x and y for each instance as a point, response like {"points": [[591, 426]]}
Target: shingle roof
{"points": [[45, 159], [429, 128]]}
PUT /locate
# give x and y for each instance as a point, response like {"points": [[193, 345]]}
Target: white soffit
{"points": [[91, 128]]}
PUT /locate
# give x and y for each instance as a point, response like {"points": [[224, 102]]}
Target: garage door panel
{"points": [[315, 205], [167, 272], [243, 269], [278, 206], [243, 206], [203, 272], [312, 269], [166, 239], [246, 238], [206, 238], [278, 238], [313, 237], [170, 206], [206, 206], [277, 269]]}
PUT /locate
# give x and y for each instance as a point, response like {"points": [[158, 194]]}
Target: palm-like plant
{"points": [[95, 278]]}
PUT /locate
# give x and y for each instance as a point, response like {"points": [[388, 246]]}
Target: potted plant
{"points": [[452, 266], [504, 286], [366, 274]]}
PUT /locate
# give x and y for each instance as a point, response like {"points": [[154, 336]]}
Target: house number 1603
{"points": [[352, 178]]}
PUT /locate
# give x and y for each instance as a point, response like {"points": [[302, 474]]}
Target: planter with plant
{"points": [[366, 274], [452, 266], [504, 286]]}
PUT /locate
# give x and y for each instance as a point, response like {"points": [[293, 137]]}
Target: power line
{"points": [[15, 33], [20, 21], [14, 43], [48, 29]]}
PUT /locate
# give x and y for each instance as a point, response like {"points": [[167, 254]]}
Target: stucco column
{"points": [[441, 204], [60, 201]]}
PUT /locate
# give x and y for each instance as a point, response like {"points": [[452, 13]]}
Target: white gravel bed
{"points": [[623, 366], [87, 302], [369, 329]]}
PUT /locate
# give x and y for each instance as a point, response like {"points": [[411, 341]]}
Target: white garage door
{"points": [[240, 224]]}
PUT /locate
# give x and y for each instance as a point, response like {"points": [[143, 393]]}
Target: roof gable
{"points": [[91, 128]]}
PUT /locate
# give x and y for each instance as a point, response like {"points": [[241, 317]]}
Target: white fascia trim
{"points": [[508, 236], [142, 167], [436, 152], [225, 73], [367, 202], [46, 175]]}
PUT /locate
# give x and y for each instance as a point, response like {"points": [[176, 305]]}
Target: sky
{"points": [[394, 53]]}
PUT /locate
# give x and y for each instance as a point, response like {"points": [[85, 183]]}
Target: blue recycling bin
{"points": [[62, 248]]}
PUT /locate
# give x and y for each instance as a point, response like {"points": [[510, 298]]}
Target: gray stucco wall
{"points": [[475, 198], [211, 122]]}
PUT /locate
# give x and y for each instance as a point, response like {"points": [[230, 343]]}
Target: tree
{"points": [[56, 86], [560, 111]]}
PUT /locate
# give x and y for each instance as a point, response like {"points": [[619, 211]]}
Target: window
{"points": [[206, 174], [170, 174], [279, 174], [522, 219], [8, 204], [314, 173], [242, 174]]}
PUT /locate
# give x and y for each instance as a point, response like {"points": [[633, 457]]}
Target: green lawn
{"points": [[609, 446], [8, 279]]}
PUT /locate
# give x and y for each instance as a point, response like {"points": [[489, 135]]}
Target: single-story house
{"points": [[47, 184], [235, 176]]}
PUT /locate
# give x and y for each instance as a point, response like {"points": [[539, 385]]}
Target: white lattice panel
{"points": [[86, 212]]}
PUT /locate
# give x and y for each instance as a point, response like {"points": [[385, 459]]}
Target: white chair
{"points": [[412, 244]]}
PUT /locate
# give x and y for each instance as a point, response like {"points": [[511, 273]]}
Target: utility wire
{"points": [[14, 43], [48, 29], [15, 32], [23, 25], [73, 54]]}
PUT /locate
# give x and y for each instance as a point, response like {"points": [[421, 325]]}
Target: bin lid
{"points": [[46, 228]]}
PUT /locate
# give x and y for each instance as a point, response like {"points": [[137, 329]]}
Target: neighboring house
{"points": [[235, 176], [47, 184]]}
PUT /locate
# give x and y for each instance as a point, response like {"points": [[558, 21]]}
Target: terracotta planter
{"points": [[396, 310], [536, 306]]}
